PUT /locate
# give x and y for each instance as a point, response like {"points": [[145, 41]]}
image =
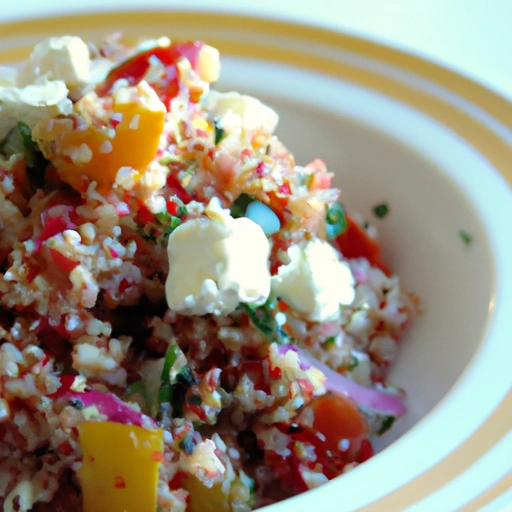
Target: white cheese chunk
{"points": [[238, 110], [33, 103], [215, 263], [58, 58], [315, 282], [39, 88]]}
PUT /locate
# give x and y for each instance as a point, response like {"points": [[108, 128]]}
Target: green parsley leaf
{"points": [[136, 388], [19, 140], [144, 235], [465, 237], [173, 389], [386, 424], [381, 210], [183, 381], [331, 340], [219, 132], [352, 363], [263, 319], [335, 220], [165, 391], [239, 207]]}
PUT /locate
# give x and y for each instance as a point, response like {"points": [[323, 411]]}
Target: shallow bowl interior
{"points": [[420, 235]]}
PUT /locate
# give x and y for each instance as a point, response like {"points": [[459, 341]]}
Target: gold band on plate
{"points": [[482, 137], [489, 495]]}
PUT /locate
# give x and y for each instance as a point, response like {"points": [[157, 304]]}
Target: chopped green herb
{"points": [[239, 207], [169, 223], [352, 363], [263, 319], [465, 237], [335, 220], [331, 340], [381, 210], [144, 235], [136, 388], [184, 380], [19, 140], [173, 390], [386, 424], [219, 132], [165, 391], [149, 396], [163, 217], [366, 225]]}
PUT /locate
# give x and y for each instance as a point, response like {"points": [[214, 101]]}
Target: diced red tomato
{"points": [[66, 381], [366, 451], [287, 469], [178, 480], [354, 242], [62, 262], [177, 188], [143, 215], [274, 372], [338, 419], [53, 227], [135, 69], [172, 207]]}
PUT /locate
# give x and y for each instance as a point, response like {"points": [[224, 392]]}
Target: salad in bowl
{"points": [[189, 319]]}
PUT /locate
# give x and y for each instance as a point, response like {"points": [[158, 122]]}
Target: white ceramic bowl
{"points": [[437, 149]]}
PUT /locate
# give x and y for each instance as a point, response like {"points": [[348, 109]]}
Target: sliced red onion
{"points": [[111, 406], [377, 400]]}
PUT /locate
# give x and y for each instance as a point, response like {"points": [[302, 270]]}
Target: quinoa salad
{"points": [[189, 320]]}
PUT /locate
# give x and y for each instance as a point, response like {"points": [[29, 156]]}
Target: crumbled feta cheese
{"points": [[64, 59], [315, 282], [39, 88], [249, 112], [217, 262], [33, 103]]}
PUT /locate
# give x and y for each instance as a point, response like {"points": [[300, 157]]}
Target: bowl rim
{"points": [[482, 117]]}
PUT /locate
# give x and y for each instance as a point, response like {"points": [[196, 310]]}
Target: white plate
{"points": [[438, 149]]}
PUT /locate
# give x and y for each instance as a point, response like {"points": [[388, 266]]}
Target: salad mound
{"points": [[189, 320]]}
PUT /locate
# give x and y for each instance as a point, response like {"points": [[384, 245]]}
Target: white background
{"points": [[473, 37]]}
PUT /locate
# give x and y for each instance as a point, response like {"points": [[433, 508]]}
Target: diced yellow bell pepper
{"points": [[120, 467], [138, 118], [206, 499]]}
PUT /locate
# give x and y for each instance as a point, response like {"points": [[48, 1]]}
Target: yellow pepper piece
{"points": [[99, 152], [120, 467], [206, 499]]}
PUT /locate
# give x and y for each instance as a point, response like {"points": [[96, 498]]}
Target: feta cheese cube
{"points": [[215, 263], [58, 58], [240, 110], [315, 282]]}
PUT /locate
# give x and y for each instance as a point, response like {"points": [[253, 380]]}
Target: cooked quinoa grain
{"points": [[189, 320]]}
